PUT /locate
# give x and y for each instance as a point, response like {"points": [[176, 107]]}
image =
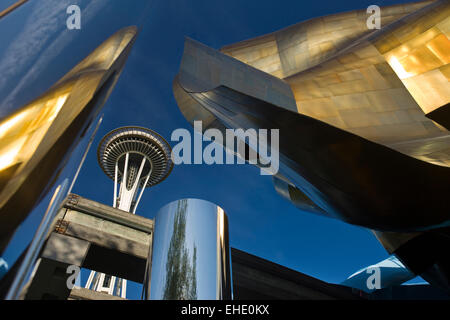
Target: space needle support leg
{"points": [[136, 182], [116, 172], [89, 282], [142, 191], [124, 288], [125, 169]]}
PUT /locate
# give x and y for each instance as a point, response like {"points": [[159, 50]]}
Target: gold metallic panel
{"points": [[379, 87], [306, 44], [35, 139], [422, 51], [346, 176]]}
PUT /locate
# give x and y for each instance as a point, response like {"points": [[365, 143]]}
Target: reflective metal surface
{"points": [[343, 174], [54, 83], [384, 274], [191, 256], [36, 138], [363, 118], [296, 196], [38, 241], [378, 84]]}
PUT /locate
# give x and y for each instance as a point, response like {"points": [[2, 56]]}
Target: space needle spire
{"points": [[135, 158]]}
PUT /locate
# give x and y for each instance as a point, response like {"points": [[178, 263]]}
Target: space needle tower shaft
{"points": [[135, 158]]}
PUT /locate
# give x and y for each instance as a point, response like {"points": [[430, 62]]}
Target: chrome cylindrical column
{"points": [[191, 256]]}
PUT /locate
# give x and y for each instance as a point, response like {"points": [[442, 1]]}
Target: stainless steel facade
{"points": [[345, 175], [53, 85], [363, 118], [191, 255]]}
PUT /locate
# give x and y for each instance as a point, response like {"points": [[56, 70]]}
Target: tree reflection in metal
{"points": [[181, 280], [191, 258]]}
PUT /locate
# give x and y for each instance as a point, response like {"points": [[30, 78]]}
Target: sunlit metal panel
{"points": [[54, 83]]}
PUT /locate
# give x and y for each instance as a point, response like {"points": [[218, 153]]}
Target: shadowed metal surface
{"points": [[360, 113], [347, 176]]}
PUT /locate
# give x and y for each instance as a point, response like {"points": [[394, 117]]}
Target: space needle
{"points": [[135, 158]]}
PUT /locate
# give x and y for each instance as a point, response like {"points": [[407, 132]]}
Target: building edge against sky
{"points": [[47, 111], [357, 140]]}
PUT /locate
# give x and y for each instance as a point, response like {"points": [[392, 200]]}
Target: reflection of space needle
{"points": [[138, 158]]}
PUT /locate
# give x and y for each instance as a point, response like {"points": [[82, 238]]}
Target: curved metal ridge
{"points": [[135, 140], [43, 133]]}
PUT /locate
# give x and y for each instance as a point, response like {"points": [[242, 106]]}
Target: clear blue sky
{"points": [[261, 222]]}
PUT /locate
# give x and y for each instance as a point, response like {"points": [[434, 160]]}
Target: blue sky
{"points": [[261, 222]]}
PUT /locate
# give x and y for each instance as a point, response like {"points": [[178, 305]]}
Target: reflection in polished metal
{"points": [[88, 147], [138, 158], [390, 272], [191, 257], [38, 241], [344, 175], [36, 140], [363, 118]]}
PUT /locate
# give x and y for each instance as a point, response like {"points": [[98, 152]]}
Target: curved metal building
{"points": [[363, 118], [54, 84]]}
